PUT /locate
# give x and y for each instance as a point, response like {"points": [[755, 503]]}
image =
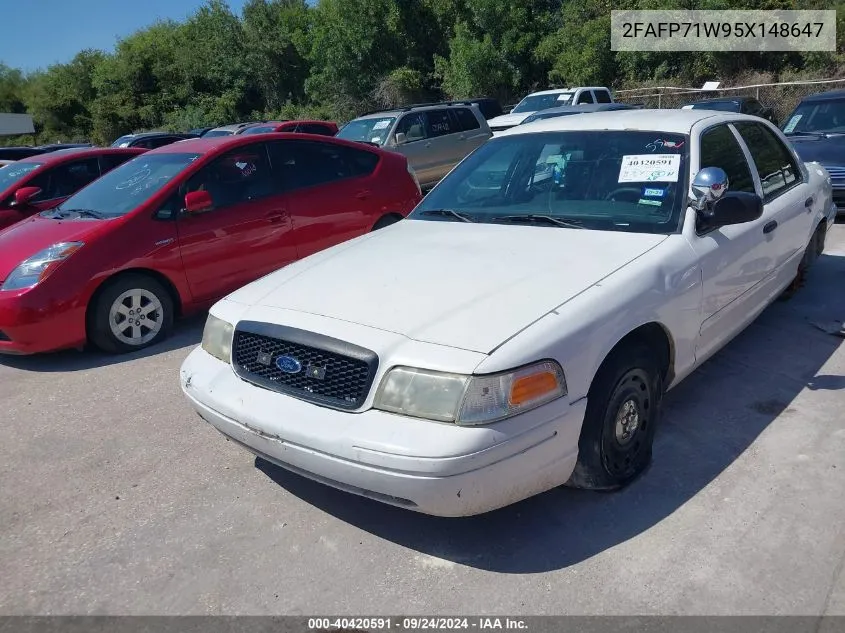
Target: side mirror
{"points": [[198, 201], [708, 186], [25, 194], [401, 139], [735, 207]]}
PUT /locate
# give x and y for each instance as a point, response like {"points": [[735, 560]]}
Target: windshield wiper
{"points": [[448, 213], [538, 218], [85, 213], [816, 134]]}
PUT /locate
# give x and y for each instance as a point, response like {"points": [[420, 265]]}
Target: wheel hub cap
{"points": [[136, 317], [627, 421]]}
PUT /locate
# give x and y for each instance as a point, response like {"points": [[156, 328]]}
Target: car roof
{"points": [[381, 114], [554, 91], [824, 96], [722, 99], [62, 155], [669, 121], [157, 134], [219, 144]]}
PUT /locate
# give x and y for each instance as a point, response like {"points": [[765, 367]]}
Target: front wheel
{"points": [[131, 313], [623, 410]]}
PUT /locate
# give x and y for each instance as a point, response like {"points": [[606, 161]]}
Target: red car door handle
{"points": [[362, 195], [276, 217]]}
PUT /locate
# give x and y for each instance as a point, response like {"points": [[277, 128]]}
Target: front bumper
{"points": [[30, 325], [433, 468]]}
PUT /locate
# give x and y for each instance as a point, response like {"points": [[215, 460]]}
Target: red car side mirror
{"points": [[25, 194], [198, 201]]}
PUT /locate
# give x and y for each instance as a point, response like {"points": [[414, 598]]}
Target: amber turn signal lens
{"points": [[533, 386]]}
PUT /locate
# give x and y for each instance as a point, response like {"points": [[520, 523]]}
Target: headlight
{"points": [[217, 338], [466, 399], [33, 270]]}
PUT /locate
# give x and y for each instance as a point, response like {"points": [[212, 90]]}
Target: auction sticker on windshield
{"points": [[650, 168], [792, 123]]}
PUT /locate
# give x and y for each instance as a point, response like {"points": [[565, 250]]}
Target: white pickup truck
{"points": [[538, 101], [519, 330]]}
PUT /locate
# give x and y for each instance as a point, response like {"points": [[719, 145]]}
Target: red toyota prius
{"points": [[43, 181], [175, 229]]}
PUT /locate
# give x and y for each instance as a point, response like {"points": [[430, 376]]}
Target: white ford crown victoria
{"points": [[519, 329]]}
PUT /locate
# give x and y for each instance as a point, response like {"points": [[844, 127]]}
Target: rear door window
{"points": [[316, 128], [603, 96], [585, 97], [300, 164], [466, 119], [775, 164], [439, 123]]}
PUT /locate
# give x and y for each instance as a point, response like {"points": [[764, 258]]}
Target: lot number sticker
{"points": [[650, 168]]}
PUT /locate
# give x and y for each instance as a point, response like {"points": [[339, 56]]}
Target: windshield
{"points": [[533, 103], [15, 172], [601, 180], [128, 186], [817, 116], [724, 106], [121, 142], [261, 129], [373, 130], [211, 133]]}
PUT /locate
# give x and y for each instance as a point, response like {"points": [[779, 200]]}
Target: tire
{"points": [[386, 220], [821, 236], [116, 305], [801, 276], [623, 412]]}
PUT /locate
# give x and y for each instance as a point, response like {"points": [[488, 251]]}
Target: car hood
{"points": [[469, 286], [824, 150], [508, 119], [26, 238]]}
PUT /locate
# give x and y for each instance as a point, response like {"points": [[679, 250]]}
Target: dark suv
{"points": [[816, 130]]}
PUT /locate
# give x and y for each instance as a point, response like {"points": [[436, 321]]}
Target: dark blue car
{"points": [[817, 131]]}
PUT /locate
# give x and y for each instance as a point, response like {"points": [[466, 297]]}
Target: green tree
{"points": [[60, 98], [476, 67], [276, 39], [12, 86]]}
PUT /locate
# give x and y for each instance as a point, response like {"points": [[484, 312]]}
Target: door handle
{"points": [[770, 226], [808, 203], [362, 195], [462, 137], [275, 218], [428, 144]]}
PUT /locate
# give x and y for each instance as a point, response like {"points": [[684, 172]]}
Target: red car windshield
{"points": [[127, 187], [15, 172]]}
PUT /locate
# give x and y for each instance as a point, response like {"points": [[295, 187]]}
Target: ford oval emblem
{"points": [[288, 364]]}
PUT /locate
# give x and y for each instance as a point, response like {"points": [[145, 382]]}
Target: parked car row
{"points": [[514, 330], [175, 228]]}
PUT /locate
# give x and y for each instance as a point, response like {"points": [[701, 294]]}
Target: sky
{"points": [[37, 33]]}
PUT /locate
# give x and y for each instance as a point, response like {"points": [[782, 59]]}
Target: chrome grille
{"points": [[326, 370], [837, 174]]}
